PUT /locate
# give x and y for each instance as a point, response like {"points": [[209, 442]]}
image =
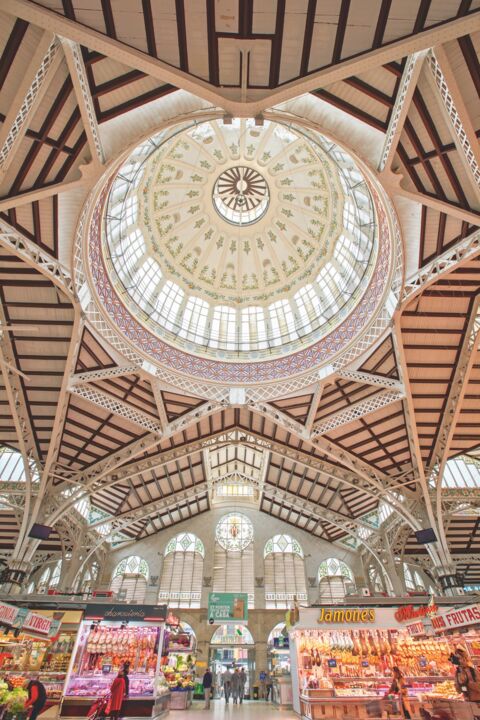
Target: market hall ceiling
{"points": [[70, 79]]}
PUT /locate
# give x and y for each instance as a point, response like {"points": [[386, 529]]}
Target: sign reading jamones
{"points": [[469, 615]]}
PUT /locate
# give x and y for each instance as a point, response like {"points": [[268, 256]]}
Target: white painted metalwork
{"points": [[116, 406], [369, 379], [104, 374], [16, 131], [455, 120], [408, 83], [30, 253], [356, 411], [76, 66], [458, 255]]}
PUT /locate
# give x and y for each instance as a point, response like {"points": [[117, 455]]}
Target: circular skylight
{"points": [[239, 241], [234, 532], [240, 195]]}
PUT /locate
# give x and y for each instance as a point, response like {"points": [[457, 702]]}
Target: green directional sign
{"points": [[227, 608]]}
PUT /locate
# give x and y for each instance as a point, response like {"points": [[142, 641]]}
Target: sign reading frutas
{"points": [[346, 615], [457, 618], [227, 608]]}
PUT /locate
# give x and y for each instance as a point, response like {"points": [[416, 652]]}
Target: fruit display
{"points": [[178, 680], [47, 659], [445, 690]]}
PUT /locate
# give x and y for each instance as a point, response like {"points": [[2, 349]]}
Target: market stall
{"points": [[342, 660], [37, 643], [461, 628], [178, 662], [110, 636], [278, 655]]}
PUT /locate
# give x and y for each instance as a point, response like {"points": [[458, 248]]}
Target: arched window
{"points": [[129, 581], [284, 572], [50, 577], [232, 635], [413, 579], [233, 562], [334, 579], [182, 572]]}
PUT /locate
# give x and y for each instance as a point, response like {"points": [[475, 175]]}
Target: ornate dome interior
{"points": [[240, 264], [240, 239]]}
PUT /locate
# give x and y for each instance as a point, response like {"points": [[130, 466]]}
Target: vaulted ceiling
{"points": [[399, 83]]}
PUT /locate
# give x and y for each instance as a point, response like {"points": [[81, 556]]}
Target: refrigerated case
{"points": [[108, 637]]}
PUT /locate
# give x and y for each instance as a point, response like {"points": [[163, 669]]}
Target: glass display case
{"points": [[103, 648]]}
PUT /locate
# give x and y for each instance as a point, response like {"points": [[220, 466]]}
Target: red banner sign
{"points": [[409, 612], [8, 613], [38, 623]]}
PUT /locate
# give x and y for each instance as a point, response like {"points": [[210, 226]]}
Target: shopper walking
{"points": [[268, 685], [399, 687], [236, 686], [243, 682], [37, 697], [117, 693], [467, 680], [207, 687], [227, 684]]}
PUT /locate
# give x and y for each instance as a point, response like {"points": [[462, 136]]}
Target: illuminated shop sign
{"points": [[456, 618], [410, 613], [124, 613], [344, 615]]}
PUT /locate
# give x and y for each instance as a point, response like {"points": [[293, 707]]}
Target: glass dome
{"points": [[239, 241]]}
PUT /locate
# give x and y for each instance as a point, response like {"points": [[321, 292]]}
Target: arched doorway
{"points": [[232, 646]]}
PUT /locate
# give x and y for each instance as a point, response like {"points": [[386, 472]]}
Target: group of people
{"points": [[233, 684]]}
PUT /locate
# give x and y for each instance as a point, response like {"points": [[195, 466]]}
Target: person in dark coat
{"points": [[207, 687], [37, 698], [126, 670]]}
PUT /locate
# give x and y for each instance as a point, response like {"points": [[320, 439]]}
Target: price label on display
{"points": [[332, 663], [422, 662], [365, 663]]}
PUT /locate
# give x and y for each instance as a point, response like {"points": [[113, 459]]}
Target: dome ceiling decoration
{"points": [[242, 243]]}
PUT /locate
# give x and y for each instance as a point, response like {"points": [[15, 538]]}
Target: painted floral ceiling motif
{"points": [[239, 214]]}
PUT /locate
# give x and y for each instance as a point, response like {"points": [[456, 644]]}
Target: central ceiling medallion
{"points": [[240, 195]]}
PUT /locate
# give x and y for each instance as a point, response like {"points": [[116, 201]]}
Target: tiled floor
{"points": [[249, 710]]}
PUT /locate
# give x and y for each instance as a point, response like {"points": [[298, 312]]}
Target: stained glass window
{"points": [[185, 542], [234, 532], [182, 572], [332, 567]]}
